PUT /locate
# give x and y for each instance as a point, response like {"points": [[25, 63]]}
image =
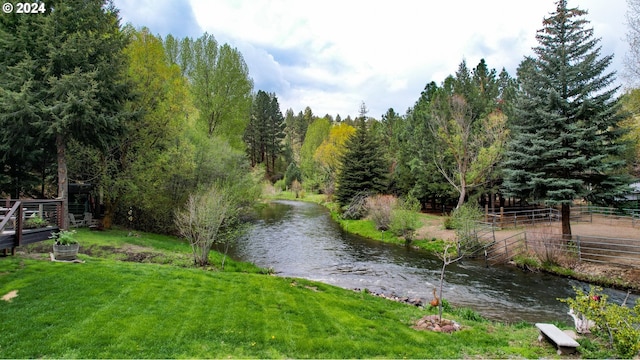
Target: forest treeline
{"points": [[149, 121]]}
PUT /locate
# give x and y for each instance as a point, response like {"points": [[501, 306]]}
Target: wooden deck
{"points": [[15, 213]]}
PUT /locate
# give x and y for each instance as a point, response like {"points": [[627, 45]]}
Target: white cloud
{"points": [[333, 54]]}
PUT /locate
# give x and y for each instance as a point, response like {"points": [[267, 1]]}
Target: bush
{"points": [[465, 217], [357, 208], [617, 325], [404, 218], [280, 185], [379, 208]]}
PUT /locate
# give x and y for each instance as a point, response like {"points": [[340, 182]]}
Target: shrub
{"points": [[379, 208], [464, 218], [404, 218], [469, 314], [296, 187], [617, 325], [280, 185], [357, 208]]}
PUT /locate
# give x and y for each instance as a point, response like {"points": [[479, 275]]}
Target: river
{"points": [[299, 239]]}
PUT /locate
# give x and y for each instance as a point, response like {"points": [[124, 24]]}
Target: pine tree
{"points": [[567, 139], [74, 86], [363, 168], [265, 131]]}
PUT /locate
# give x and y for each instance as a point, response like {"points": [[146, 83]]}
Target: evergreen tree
{"points": [[567, 136], [73, 75], [265, 131], [362, 165]]}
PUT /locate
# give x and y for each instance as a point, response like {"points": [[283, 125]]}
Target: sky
{"points": [[333, 55]]}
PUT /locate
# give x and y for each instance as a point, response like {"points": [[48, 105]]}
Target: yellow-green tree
{"points": [[316, 133], [329, 153], [137, 169]]}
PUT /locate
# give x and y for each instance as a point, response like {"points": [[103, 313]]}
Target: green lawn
{"points": [[107, 308]]}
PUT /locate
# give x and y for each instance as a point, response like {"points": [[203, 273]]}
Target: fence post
{"points": [[501, 216], [506, 249], [578, 245], [526, 246], [486, 213], [18, 228]]}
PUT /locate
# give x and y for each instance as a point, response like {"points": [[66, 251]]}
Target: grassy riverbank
{"points": [[159, 307], [365, 227]]}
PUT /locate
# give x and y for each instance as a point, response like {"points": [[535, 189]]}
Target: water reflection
{"points": [[299, 239]]}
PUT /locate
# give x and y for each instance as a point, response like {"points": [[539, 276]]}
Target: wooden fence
{"points": [[553, 247]]}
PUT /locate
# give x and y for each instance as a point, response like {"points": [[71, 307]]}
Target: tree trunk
{"points": [[63, 183], [109, 210], [566, 221], [463, 194]]}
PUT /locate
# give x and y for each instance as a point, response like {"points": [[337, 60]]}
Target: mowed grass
{"points": [[107, 308]]}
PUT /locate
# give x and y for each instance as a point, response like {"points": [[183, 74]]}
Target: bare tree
{"points": [[447, 258], [632, 58], [209, 218]]}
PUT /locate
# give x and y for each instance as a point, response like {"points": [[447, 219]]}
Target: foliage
{"points": [[65, 70], [475, 144], [146, 168], [404, 218], [265, 131], [296, 187], [464, 218], [219, 82], [566, 144], [329, 153], [618, 325], [64, 237], [292, 174], [363, 168], [631, 107], [379, 209], [316, 133], [210, 217], [35, 222], [357, 207]]}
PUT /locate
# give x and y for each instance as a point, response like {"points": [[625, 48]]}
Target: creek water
{"points": [[298, 239]]}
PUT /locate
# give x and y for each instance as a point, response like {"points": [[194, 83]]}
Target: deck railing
{"points": [[15, 214]]}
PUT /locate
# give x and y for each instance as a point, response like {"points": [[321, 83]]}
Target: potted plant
{"points": [[65, 246], [35, 223]]}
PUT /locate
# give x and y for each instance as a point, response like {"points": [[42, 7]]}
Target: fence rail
{"points": [[518, 218], [15, 218], [577, 247]]}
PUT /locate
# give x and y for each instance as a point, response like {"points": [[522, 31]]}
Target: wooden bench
{"points": [[564, 342]]}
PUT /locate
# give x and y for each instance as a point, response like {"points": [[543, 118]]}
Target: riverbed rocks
{"points": [[402, 299], [433, 323]]}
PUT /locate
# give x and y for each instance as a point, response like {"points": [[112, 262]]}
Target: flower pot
{"points": [[65, 252]]}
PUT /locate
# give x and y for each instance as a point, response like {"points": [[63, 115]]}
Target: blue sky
{"points": [[333, 54]]}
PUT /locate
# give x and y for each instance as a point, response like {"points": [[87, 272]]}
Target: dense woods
{"points": [[147, 122]]}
